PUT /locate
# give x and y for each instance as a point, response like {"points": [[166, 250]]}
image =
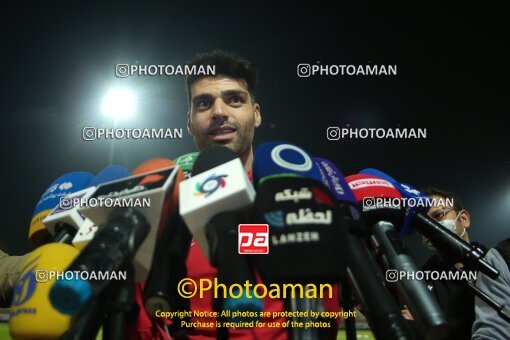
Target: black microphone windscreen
{"points": [[212, 157]]}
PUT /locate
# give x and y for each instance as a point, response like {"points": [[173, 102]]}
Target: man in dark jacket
{"points": [[488, 324], [454, 296]]}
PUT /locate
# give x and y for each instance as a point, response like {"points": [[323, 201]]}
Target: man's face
{"points": [[443, 212], [222, 112]]}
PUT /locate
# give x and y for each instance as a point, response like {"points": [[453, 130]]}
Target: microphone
{"points": [[213, 202], [32, 315], [66, 223], [116, 297], [218, 183], [363, 275], [441, 238], [286, 159], [430, 319], [168, 268], [125, 235], [152, 165], [363, 186], [304, 226], [186, 162], [62, 186], [146, 193], [407, 191], [335, 181], [171, 251], [223, 231]]}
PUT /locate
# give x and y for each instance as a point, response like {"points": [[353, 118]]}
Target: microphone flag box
{"points": [[67, 210], [223, 188], [151, 187]]}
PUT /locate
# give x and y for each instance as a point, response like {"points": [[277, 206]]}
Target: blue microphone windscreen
{"points": [[280, 158], [62, 186], [336, 181], [109, 174]]}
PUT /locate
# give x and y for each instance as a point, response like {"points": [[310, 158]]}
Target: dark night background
{"points": [[58, 61]]}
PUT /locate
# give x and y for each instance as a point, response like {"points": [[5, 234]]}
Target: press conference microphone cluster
{"points": [[30, 304], [113, 246], [442, 239], [122, 237], [66, 224], [32, 290], [363, 274], [393, 254]]}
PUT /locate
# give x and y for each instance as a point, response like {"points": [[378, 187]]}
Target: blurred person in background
{"points": [[488, 324], [10, 268]]}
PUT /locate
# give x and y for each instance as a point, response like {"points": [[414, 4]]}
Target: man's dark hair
{"points": [[457, 203], [226, 63]]}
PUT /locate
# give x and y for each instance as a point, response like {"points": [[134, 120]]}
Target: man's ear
{"points": [[188, 124], [465, 218], [256, 113]]}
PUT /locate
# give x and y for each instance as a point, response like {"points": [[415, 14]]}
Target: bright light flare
{"points": [[119, 104]]}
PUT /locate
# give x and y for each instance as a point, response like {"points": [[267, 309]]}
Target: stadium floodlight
{"points": [[118, 104]]}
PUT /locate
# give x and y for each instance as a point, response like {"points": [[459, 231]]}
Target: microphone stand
{"points": [[296, 304], [122, 308], [87, 324], [347, 304]]}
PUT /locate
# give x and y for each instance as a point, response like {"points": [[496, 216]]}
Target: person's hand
{"points": [[406, 313]]}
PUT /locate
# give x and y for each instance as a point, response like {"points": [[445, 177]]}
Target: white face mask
{"points": [[452, 225]]}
